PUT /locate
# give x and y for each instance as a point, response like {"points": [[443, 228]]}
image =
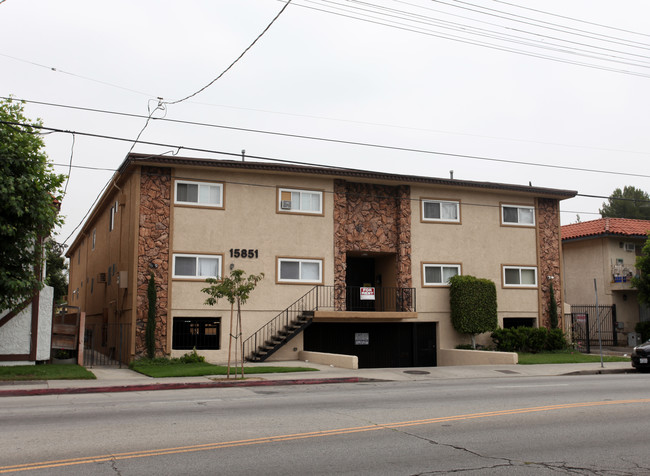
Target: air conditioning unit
{"points": [[285, 204], [101, 278], [629, 247]]}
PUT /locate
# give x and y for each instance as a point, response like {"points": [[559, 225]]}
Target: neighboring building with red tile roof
{"points": [[605, 250], [606, 227]]}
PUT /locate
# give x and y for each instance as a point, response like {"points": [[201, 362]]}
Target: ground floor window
{"points": [[512, 322], [202, 333]]}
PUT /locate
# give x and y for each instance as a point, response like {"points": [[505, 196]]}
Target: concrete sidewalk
{"points": [[125, 380]]}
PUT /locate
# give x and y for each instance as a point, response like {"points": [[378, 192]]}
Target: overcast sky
{"points": [[556, 83]]}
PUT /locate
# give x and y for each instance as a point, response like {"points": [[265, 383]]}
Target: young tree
{"points": [[150, 330], [29, 190], [630, 202], [642, 282], [473, 305], [236, 289]]}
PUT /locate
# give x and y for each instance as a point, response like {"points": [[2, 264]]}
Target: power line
{"points": [[573, 19], [58, 70], [493, 46], [65, 189], [337, 141], [259, 131], [236, 60]]}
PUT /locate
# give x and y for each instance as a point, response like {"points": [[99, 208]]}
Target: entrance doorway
{"points": [[371, 270]]}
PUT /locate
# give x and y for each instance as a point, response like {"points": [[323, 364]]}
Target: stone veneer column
{"points": [[548, 242], [371, 218], [340, 265], [153, 249]]}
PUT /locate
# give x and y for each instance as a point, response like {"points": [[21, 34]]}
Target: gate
{"points": [[106, 344], [586, 322]]}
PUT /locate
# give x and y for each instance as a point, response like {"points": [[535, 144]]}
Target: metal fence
{"points": [[590, 326], [107, 344]]}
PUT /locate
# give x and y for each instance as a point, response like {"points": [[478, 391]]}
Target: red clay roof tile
{"points": [[606, 226]]}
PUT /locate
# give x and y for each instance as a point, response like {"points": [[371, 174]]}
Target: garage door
{"points": [[376, 344]]}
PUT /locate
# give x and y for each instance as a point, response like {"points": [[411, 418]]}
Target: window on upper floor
{"points": [[438, 274], [300, 270], [94, 238], [300, 201], [440, 210], [520, 276], [190, 266], [517, 215], [203, 194]]}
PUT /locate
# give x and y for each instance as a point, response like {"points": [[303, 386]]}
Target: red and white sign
{"points": [[367, 294]]}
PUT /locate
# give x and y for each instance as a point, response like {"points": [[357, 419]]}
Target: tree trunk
{"points": [[230, 340]]}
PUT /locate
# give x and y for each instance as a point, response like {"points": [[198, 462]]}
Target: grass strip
{"points": [[203, 368], [45, 372], [565, 357]]}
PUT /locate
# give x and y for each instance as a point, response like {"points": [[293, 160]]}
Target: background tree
{"points": [[642, 281], [55, 271], [630, 202], [473, 305], [150, 330], [28, 192], [236, 288]]}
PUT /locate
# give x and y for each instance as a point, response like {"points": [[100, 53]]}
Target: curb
{"points": [[631, 370], [176, 386]]}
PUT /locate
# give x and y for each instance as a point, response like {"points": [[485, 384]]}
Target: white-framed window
{"points": [[438, 274], [441, 210], [520, 215], [199, 193], [192, 266], [300, 201], [520, 276], [300, 270], [94, 238]]}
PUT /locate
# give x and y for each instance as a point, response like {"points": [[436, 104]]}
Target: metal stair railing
{"points": [[295, 318], [286, 324]]}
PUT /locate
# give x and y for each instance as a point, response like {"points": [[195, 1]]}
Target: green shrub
{"points": [[473, 303], [192, 358], [505, 340], [643, 328], [537, 337], [528, 339], [556, 340]]}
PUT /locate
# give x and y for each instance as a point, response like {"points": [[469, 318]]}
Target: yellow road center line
{"points": [[299, 436]]}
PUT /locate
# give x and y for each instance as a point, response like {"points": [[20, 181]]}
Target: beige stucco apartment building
{"points": [[605, 250], [360, 258]]}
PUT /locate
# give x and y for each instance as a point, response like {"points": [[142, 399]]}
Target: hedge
{"points": [[473, 304], [529, 339]]}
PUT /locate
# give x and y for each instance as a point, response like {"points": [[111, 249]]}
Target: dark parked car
{"points": [[640, 356]]}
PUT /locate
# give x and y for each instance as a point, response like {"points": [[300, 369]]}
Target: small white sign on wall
{"points": [[361, 338]]}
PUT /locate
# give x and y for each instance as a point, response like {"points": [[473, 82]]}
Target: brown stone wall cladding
{"points": [[548, 240], [153, 249], [371, 218]]}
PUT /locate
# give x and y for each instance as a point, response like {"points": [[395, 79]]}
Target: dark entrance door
{"points": [[376, 344], [360, 272]]}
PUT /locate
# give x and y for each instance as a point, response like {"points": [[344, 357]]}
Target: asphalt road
{"points": [[542, 425]]}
